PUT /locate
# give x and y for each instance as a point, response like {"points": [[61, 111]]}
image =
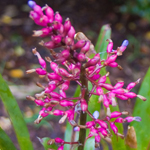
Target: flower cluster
{"points": [[75, 64]]}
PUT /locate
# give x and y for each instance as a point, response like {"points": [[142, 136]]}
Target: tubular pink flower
{"points": [[49, 13], [113, 64], [67, 26], [106, 86], [81, 57], [59, 140], [61, 148], [130, 119], [99, 91], [54, 66], [118, 85], [58, 17], [86, 47], [49, 44], [97, 138], [109, 46], [64, 73], [105, 101], [65, 103], [130, 95], [54, 76], [84, 105], [58, 112], [102, 79], [65, 85], [110, 59], [54, 95], [113, 127], [102, 123], [79, 44], [43, 112], [62, 93], [39, 102], [122, 97], [38, 10], [118, 91], [56, 39], [103, 132], [120, 120], [71, 32], [95, 77], [89, 124], [115, 114], [41, 71]]}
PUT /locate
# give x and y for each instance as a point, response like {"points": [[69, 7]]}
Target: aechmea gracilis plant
{"points": [[74, 64]]}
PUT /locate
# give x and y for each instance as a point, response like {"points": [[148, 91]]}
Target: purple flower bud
{"points": [[58, 17], [70, 114], [65, 103], [50, 88], [39, 102], [120, 84], [130, 119], [76, 128], [130, 95], [122, 97], [89, 124], [31, 3], [96, 114], [49, 13], [125, 43], [86, 47], [58, 112], [113, 127], [41, 71]]}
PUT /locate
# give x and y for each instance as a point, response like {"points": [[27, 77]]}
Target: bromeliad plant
{"points": [[75, 63]]}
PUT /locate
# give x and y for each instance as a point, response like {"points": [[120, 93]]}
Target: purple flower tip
{"points": [[137, 119], [125, 43], [96, 114], [31, 3]]}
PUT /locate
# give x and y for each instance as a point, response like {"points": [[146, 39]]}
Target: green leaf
{"points": [[142, 109], [44, 141], [117, 143], [5, 141], [16, 117]]}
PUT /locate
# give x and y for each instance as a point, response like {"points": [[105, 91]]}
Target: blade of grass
{"points": [[142, 110], [16, 117], [5, 141]]}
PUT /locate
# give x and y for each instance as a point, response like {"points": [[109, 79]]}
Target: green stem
{"points": [[83, 116]]}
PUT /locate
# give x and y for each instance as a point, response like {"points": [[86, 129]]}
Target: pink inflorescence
{"points": [[73, 56]]}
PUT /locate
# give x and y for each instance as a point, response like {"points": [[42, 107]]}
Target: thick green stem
{"points": [[83, 116]]}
